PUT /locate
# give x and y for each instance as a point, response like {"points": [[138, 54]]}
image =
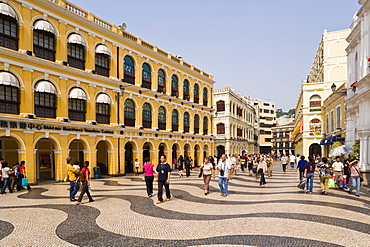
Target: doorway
{"points": [[45, 160], [129, 156], [102, 157], [315, 149], [220, 151]]}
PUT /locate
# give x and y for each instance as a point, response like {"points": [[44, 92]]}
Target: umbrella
{"points": [[340, 150], [243, 151]]}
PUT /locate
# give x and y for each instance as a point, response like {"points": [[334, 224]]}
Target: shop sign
{"points": [[31, 126]]}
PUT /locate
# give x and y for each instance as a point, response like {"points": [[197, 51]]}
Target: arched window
{"points": [[315, 103], [161, 81], [9, 93], [129, 67], [103, 103], [45, 100], [205, 96], [161, 118], [76, 51], [196, 124], [174, 86], [196, 93], [220, 106], [77, 105], [44, 40], [186, 122], [175, 120], [221, 129], [102, 60], [147, 116], [129, 113], [147, 76], [186, 90], [8, 27], [205, 126]]}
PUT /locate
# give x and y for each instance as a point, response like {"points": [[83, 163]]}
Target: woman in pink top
{"points": [[149, 176], [355, 177]]}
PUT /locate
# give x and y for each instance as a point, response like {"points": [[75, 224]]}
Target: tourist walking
{"points": [[269, 163], [355, 178], [338, 168], [74, 184], [22, 170], [12, 177], [180, 165], [5, 178], [301, 167], [324, 174], [310, 169], [284, 162], [187, 166], [262, 169], [208, 172], [85, 180], [163, 178], [232, 161], [223, 167], [292, 161], [148, 169], [347, 172], [137, 166], [1, 176]]}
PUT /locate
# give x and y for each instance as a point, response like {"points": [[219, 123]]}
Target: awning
{"points": [[45, 87], [102, 49], [329, 140], [7, 10], [9, 79], [103, 98], [44, 26], [77, 93], [76, 39]]}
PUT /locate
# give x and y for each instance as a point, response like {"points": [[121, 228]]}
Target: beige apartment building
{"points": [[329, 67], [235, 123], [267, 120]]}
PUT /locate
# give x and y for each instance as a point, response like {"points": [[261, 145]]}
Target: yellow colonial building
{"points": [[72, 84]]}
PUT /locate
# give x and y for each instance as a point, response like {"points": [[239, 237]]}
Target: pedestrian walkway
{"points": [[276, 214]]}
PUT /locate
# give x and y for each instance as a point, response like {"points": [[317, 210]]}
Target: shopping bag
{"points": [[302, 184], [24, 182], [331, 183]]}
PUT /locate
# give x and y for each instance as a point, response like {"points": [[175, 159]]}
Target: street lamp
{"points": [[119, 94], [343, 92]]}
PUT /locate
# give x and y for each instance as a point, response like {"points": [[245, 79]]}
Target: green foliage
{"points": [[356, 149], [335, 145], [279, 112]]}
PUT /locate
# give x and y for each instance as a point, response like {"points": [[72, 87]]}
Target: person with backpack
{"points": [[148, 169], [84, 178], [324, 174], [187, 166], [180, 165], [163, 178], [310, 172]]}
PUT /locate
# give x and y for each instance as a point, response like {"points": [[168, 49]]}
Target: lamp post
{"points": [[119, 94], [343, 92]]}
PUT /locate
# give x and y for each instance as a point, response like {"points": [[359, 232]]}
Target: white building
{"points": [[358, 92], [234, 123]]}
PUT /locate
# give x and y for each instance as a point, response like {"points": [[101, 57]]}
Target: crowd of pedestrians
{"points": [[13, 178]]}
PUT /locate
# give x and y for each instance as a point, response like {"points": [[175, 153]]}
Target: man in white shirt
{"points": [[284, 161], [292, 161], [338, 168], [223, 167]]}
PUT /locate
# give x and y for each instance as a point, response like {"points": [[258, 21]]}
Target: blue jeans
{"points": [[355, 184], [309, 183], [292, 165], [223, 183], [73, 189], [5, 184]]}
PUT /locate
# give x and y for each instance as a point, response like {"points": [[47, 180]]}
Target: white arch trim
{"points": [[20, 141], [56, 141]]}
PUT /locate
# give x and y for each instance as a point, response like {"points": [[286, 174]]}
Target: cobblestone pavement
{"points": [[277, 214]]}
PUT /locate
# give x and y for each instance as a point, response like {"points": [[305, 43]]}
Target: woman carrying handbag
{"points": [[84, 178], [355, 178], [208, 172]]}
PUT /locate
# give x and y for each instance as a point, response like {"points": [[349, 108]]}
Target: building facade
{"points": [[234, 123], [281, 139], [267, 120], [358, 94], [328, 68], [72, 84], [334, 126]]}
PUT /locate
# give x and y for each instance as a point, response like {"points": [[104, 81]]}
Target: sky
{"points": [[261, 48]]}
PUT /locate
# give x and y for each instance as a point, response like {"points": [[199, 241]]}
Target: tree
{"points": [[356, 149]]}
